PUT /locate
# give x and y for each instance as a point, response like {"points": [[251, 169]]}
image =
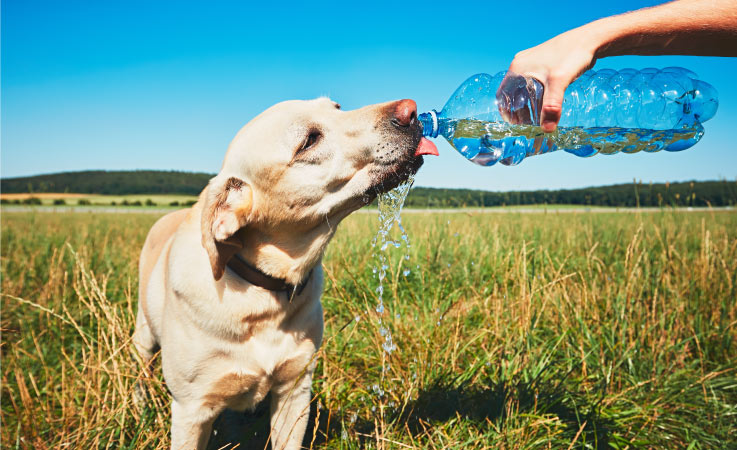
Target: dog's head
{"points": [[301, 166]]}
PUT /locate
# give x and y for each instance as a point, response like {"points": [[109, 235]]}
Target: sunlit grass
{"points": [[67, 199], [515, 331]]}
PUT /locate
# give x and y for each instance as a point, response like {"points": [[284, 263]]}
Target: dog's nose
{"points": [[405, 112]]}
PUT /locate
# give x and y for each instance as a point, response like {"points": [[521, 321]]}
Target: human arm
{"points": [[682, 27]]}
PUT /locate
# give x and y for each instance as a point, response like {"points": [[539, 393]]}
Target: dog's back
{"points": [[156, 240]]}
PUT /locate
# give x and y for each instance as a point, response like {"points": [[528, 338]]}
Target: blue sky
{"points": [[166, 85]]}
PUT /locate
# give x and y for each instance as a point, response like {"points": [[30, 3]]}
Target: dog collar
{"points": [[256, 277]]}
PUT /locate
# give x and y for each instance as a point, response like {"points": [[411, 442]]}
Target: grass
{"points": [[521, 331]]}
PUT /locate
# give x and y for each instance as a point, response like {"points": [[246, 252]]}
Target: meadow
{"points": [[514, 331], [68, 199]]}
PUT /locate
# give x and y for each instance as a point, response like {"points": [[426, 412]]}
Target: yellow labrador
{"points": [[230, 289]]}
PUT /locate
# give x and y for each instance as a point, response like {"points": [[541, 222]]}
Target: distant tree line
{"points": [[110, 182], [694, 193]]}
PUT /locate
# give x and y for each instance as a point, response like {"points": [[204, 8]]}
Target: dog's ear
{"points": [[227, 206]]}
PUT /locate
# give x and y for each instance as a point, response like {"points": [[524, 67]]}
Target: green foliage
{"points": [[521, 331], [83, 202], [31, 201], [110, 182], [60, 201], [693, 193]]}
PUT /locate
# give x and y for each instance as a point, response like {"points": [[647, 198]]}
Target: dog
{"points": [[230, 288]]}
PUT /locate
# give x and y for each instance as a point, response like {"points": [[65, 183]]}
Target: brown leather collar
{"points": [[254, 276]]}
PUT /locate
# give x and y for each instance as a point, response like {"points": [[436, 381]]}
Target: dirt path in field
{"points": [[472, 211]]}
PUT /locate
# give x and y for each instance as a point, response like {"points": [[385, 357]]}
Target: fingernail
{"points": [[548, 126]]}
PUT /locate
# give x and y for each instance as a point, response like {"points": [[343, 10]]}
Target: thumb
{"points": [[552, 103]]}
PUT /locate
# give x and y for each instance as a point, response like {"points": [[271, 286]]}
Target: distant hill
{"points": [[694, 193], [110, 182], [690, 193]]}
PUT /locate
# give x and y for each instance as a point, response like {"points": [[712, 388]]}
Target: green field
{"points": [[516, 331], [50, 199]]}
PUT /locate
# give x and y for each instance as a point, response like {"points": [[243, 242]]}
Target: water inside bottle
{"points": [[487, 143]]}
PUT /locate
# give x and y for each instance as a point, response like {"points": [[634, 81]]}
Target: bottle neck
{"points": [[429, 121]]}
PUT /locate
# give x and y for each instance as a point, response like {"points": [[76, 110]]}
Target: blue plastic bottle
{"points": [[492, 119]]}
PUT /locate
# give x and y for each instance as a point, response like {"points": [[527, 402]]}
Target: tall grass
{"points": [[515, 331]]}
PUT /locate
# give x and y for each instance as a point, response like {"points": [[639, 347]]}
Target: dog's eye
{"points": [[312, 139]]}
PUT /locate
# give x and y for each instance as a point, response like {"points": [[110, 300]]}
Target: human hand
{"points": [[680, 27], [555, 63]]}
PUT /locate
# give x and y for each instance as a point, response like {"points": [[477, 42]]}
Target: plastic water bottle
{"points": [[492, 119]]}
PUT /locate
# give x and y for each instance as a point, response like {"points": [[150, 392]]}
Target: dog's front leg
{"points": [[189, 429], [290, 409]]}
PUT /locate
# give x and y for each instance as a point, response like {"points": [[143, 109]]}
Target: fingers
{"points": [[555, 89], [513, 99]]}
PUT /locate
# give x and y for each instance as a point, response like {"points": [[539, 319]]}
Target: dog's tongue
{"points": [[425, 147]]}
